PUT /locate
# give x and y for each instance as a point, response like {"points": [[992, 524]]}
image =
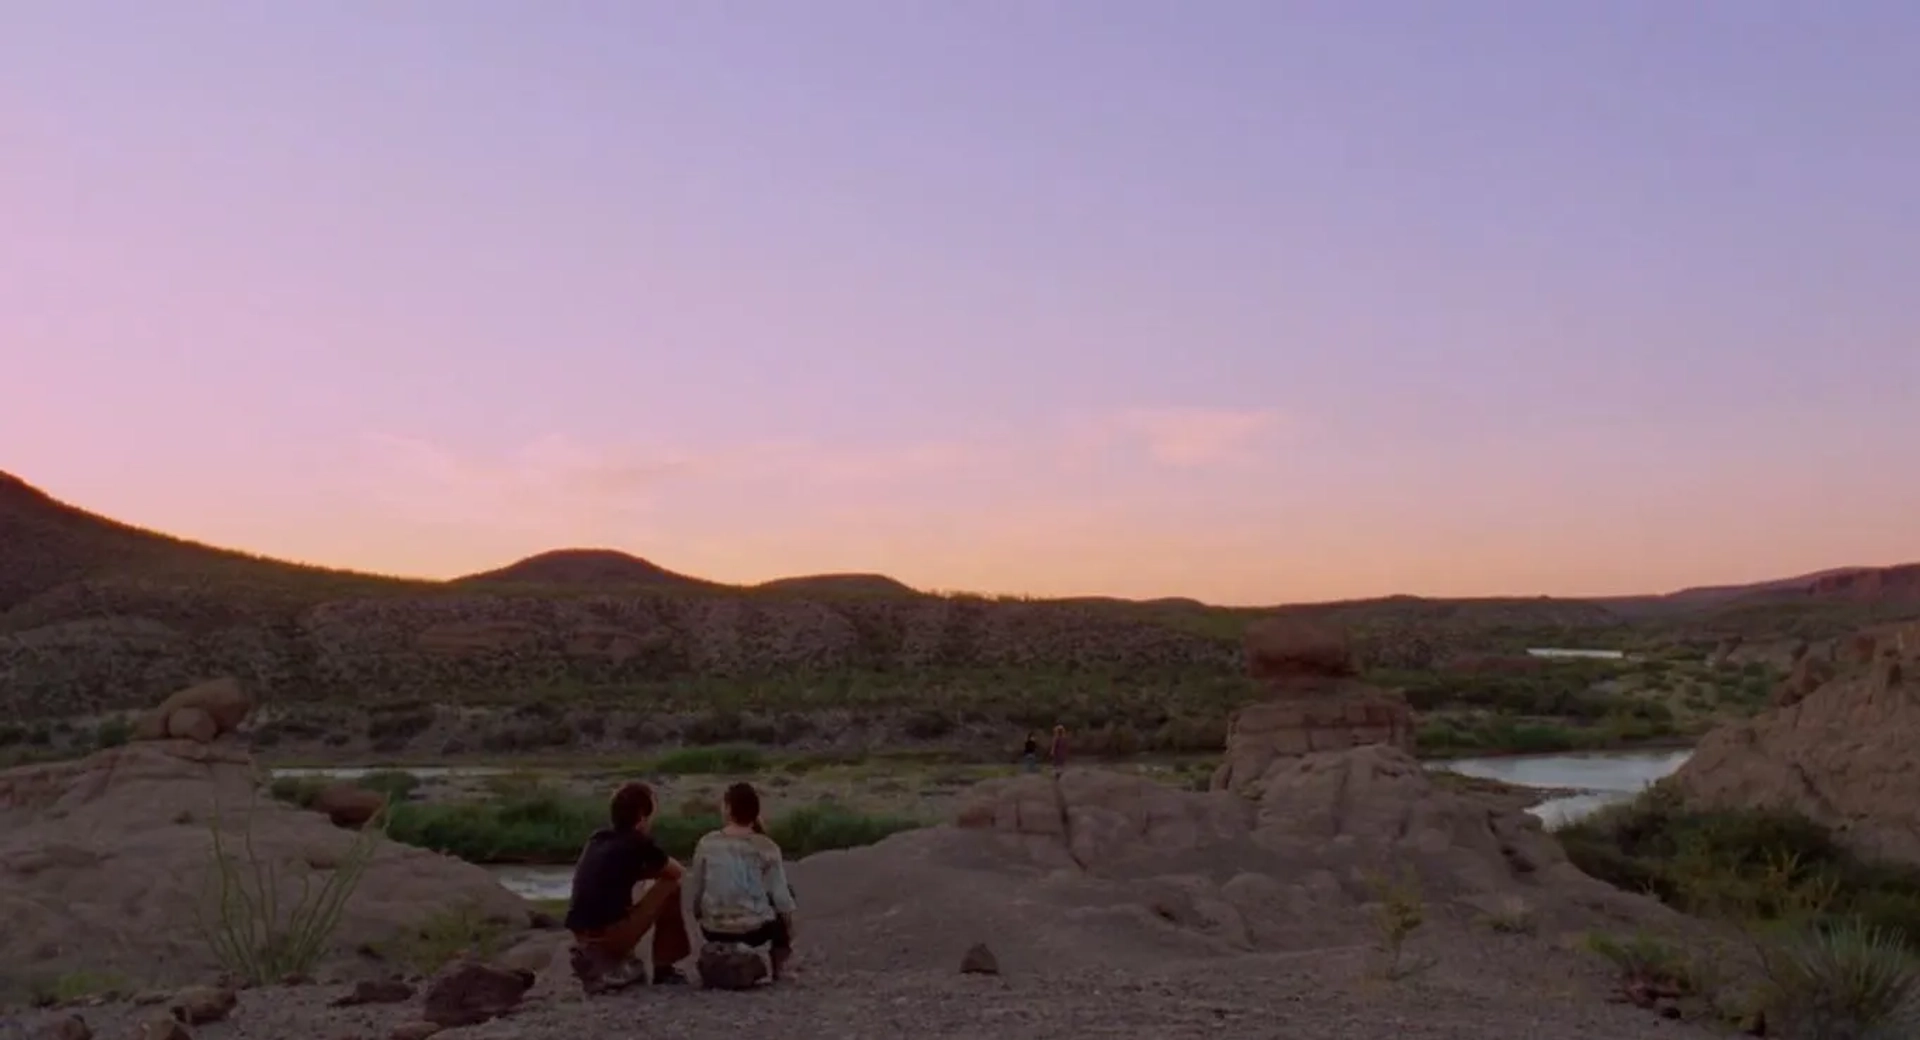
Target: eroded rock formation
{"points": [[1839, 746], [1313, 702]]}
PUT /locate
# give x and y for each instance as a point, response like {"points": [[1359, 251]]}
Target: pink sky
{"points": [[1245, 301]]}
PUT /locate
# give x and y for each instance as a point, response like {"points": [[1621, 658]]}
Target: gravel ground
{"points": [[1512, 988]]}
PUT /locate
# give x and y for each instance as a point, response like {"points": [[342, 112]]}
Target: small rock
{"points": [[730, 966], [66, 1027], [162, 1029], [296, 978], [470, 993], [418, 1030], [979, 961], [198, 1005], [148, 998], [376, 991]]}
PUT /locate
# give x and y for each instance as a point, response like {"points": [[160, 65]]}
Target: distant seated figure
{"points": [[607, 923], [739, 882]]}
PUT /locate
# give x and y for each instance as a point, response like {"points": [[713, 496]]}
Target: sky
{"points": [[1247, 300]]}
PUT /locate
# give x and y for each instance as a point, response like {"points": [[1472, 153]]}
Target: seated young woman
{"points": [[739, 883]]}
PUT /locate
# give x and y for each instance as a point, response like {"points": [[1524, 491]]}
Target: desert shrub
{"points": [[393, 730], [1848, 982], [715, 726], [72, 986], [1649, 967], [300, 791], [444, 936], [1514, 916], [1745, 865], [927, 724], [1183, 735], [112, 733], [1399, 910], [252, 931], [722, 759]]}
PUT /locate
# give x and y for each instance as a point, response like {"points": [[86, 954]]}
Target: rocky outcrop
{"points": [[1113, 870], [1841, 752], [1313, 703], [107, 863], [203, 713]]}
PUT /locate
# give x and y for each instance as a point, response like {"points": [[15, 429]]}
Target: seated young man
{"points": [[739, 882], [606, 922]]}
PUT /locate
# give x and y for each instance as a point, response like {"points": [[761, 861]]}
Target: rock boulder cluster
{"points": [[1838, 746], [108, 862]]}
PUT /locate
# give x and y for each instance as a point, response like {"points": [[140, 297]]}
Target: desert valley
{"points": [[253, 799]]}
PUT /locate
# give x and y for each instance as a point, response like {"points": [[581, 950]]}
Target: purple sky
{"points": [[1250, 300]]}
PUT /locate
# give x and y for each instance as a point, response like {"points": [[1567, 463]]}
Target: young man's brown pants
{"points": [[659, 910]]}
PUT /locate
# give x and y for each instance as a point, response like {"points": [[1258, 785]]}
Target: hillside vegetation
{"points": [[98, 616]]}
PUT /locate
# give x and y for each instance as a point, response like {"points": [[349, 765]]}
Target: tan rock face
{"points": [[1312, 704], [1323, 718], [108, 863], [1842, 753], [1117, 870]]}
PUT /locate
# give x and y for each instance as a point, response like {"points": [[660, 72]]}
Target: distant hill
{"points": [[47, 545], [587, 569], [95, 613], [840, 585]]}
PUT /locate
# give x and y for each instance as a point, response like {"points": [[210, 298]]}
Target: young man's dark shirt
{"points": [[610, 865]]}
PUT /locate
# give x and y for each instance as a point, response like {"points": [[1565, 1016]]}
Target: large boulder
{"points": [[348, 804], [108, 864], [1841, 753], [202, 712]]}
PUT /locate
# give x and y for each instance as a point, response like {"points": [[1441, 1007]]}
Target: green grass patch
{"points": [[547, 826]]}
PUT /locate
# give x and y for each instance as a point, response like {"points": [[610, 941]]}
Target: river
{"points": [[1602, 777]]}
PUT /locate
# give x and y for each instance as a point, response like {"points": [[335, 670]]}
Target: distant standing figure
{"points": [[1059, 749], [1030, 754]]}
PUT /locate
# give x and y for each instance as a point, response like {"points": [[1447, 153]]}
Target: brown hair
{"points": [[743, 804], [632, 803]]}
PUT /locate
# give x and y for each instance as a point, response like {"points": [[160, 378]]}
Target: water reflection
{"points": [[1603, 778]]}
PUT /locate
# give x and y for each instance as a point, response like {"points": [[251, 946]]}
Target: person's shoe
{"points": [[590, 970], [625, 974], [669, 976]]}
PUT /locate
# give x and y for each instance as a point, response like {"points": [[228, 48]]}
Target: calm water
{"points": [[1601, 777]]}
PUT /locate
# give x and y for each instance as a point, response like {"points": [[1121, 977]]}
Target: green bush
{"points": [[550, 827], [1746, 865], [112, 733]]}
